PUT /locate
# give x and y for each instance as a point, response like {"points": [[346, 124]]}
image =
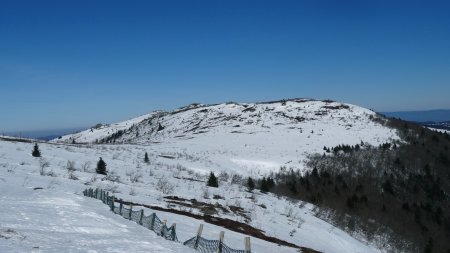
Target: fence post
{"points": [[163, 228], [199, 234], [96, 192], [91, 191], [247, 245], [112, 203], [120, 210], [131, 210], [152, 225], [142, 216], [221, 235], [174, 233], [107, 198]]}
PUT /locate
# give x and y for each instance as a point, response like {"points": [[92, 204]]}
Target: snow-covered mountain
{"points": [[247, 137]]}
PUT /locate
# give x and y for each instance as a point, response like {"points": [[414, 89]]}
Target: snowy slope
{"points": [[49, 220], [292, 221], [252, 138]]}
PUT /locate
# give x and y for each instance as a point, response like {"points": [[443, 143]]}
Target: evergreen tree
{"points": [[250, 184], [36, 152], [146, 160], [429, 246], [264, 185], [293, 187], [212, 181], [101, 167], [270, 182]]}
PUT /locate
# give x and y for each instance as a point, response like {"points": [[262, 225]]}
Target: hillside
{"points": [[37, 217], [65, 170], [250, 138], [184, 146]]}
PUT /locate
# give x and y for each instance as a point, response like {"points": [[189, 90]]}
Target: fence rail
{"points": [[155, 224]]}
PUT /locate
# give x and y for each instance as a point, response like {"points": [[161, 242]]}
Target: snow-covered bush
{"points": [[112, 187], [70, 166], [132, 191], [163, 185], [113, 177], [205, 193], [92, 180], [134, 176], [237, 179], [85, 166], [224, 176], [42, 165], [72, 176]]}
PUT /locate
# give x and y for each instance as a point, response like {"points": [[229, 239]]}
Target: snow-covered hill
{"points": [[75, 219], [249, 137], [233, 140]]}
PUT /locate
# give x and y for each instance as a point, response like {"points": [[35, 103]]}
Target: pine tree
{"points": [[146, 160], [429, 246], [101, 167], [250, 184], [212, 181], [264, 185], [36, 152], [292, 187]]}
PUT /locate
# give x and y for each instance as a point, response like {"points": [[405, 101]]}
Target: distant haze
{"points": [[421, 116], [44, 134]]}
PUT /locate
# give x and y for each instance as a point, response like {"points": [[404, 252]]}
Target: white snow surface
{"points": [[247, 138], [59, 219], [54, 220], [183, 147]]}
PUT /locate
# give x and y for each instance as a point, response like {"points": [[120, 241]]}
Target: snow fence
{"points": [[153, 223]]}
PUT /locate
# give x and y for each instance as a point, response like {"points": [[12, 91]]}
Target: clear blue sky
{"points": [[76, 63]]}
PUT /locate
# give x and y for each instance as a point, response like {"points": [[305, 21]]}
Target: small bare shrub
{"points": [[12, 169], [72, 176], [164, 186], [134, 176], [92, 180], [42, 165], [52, 184], [180, 167], [288, 211], [132, 191], [113, 177], [85, 166], [224, 176], [70, 166], [112, 187], [205, 193], [51, 173], [237, 179], [26, 180]]}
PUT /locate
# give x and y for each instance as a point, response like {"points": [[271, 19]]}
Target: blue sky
{"points": [[77, 63]]}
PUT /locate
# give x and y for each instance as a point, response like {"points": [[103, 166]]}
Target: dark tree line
{"points": [[403, 186]]}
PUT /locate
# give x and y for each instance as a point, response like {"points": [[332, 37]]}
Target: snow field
{"points": [[279, 218]]}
